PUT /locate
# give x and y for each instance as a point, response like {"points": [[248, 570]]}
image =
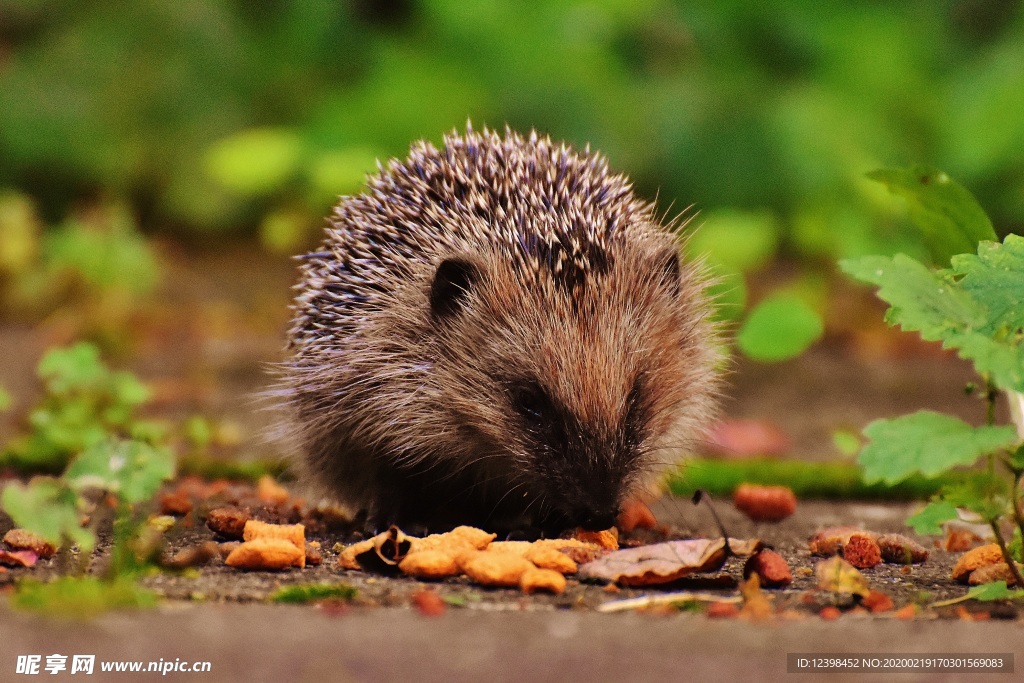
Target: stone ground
{"points": [[500, 635]]}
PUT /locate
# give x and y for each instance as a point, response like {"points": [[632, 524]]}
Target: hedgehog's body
{"points": [[498, 333]]}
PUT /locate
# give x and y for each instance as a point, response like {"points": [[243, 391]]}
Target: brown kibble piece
{"points": [[269, 491], [537, 579], [175, 503], [227, 522], [429, 603], [973, 559], [830, 541], [607, 539], [1000, 571], [495, 569], [862, 552], [293, 533], [770, 567], [765, 503], [830, 613], [877, 601], [898, 549], [266, 553], [429, 564], [20, 539], [960, 540], [314, 558], [193, 556], [722, 610]]}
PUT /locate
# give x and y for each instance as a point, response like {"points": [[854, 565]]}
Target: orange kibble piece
{"points": [[495, 569], [765, 503], [536, 579], [548, 558], [266, 553], [20, 539], [429, 564], [294, 533], [973, 559]]}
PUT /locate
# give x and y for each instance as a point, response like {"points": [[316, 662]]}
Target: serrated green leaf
{"points": [[922, 300], [132, 470], [46, 508], [996, 590], [972, 307], [928, 443], [778, 328], [947, 213], [929, 520]]}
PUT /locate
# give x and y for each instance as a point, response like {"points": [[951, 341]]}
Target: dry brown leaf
{"points": [[661, 562], [839, 576]]}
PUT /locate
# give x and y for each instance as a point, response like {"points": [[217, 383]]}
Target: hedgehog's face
{"points": [[585, 390]]}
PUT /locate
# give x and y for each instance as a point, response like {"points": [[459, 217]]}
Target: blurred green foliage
{"points": [[213, 114], [85, 404]]}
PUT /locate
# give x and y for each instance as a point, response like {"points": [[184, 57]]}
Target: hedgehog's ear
{"points": [[669, 269], [453, 281]]}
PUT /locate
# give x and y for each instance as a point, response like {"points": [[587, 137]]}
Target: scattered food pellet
{"points": [[429, 564], [227, 522], [898, 549], [862, 552], [722, 610], [1000, 571], [495, 569], [266, 553], [764, 503], [20, 539], [536, 579], [830, 613], [770, 567], [830, 541], [973, 559], [877, 601], [429, 603], [269, 491], [293, 533]]}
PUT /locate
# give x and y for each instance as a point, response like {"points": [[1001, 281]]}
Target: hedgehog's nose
{"points": [[591, 520]]}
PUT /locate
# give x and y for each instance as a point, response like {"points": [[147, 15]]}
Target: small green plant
{"points": [[972, 304], [84, 403], [115, 464], [313, 592]]}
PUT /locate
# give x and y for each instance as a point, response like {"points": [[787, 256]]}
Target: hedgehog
{"points": [[497, 332]]}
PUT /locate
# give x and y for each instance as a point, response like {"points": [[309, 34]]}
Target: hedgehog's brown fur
{"points": [[498, 333]]}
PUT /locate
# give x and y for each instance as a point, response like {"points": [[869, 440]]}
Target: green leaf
{"points": [[947, 214], [930, 519], [779, 328], [81, 596], [928, 443], [132, 470], [735, 240], [313, 592], [72, 368], [255, 161], [971, 307], [46, 508], [996, 590], [922, 300]]}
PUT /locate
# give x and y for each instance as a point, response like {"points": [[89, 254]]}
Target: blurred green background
{"points": [[208, 118]]}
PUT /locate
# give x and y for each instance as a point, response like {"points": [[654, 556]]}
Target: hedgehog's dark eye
{"points": [[532, 404]]}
